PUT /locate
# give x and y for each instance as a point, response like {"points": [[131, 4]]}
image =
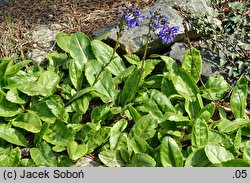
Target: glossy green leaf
{"points": [[227, 126], [140, 145], [116, 134], [39, 136], [215, 87], [218, 154], [167, 86], [236, 163], [81, 105], [238, 99], [43, 155], [62, 40], [186, 86], [12, 135], [207, 112], [197, 158], [144, 127], [132, 58], [79, 48], [170, 153], [237, 140], [171, 116], [75, 74], [130, 87], [92, 72], [55, 60], [157, 103], [10, 157], [153, 82], [44, 113], [58, 110], [98, 138], [199, 133], [134, 113], [171, 64], [58, 134], [76, 150], [192, 63], [28, 121], [217, 137], [105, 85], [103, 53], [9, 109], [13, 96], [110, 158], [246, 152], [13, 69], [142, 160]]}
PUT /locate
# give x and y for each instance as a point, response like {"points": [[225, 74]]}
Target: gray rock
{"points": [[133, 40], [210, 62], [43, 39], [86, 162]]}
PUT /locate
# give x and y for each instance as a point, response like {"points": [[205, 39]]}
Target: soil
{"points": [[19, 17]]}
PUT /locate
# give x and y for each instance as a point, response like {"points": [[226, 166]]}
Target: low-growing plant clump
{"points": [[89, 100]]}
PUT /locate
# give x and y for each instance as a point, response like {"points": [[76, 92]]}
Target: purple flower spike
{"points": [[168, 34], [132, 16]]}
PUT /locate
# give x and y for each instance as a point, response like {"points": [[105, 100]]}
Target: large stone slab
{"points": [[133, 40]]}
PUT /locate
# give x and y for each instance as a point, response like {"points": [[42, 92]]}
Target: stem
{"points": [[117, 44]]}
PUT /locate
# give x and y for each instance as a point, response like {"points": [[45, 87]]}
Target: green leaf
{"points": [[171, 64], [207, 112], [140, 145], [132, 58], [106, 86], [227, 126], [76, 151], [236, 163], [238, 99], [142, 160], [130, 87], [79, 48], [144, 127], [246, 152], [13, 69], [215, 87], [98, 138], [157, 103], [43, 112], [12, 135], [8, 109], [58, 134], [57, 109], [199, 133], [13, 96], [170, 116], [217, 154], [103, 54], [62, 40], [134, 113], [116, 134], [186, 86], [81, 105], [110, 158], [170, 153], [14, 157], [92, 72], [55, 60], [75, 74], [237, 140], [43, 155], [219, 138], [192, 63], [28, 121], [197, 158], [167, 86]]}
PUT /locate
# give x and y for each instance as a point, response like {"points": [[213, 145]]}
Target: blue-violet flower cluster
{"points": [[132, 16], [162, 27]]}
